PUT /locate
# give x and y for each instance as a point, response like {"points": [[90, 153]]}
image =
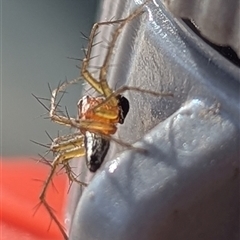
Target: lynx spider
{"points": [[98, 116]]}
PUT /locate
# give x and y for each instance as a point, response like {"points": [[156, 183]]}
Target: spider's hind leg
{"points": [[43, 200], [66, 148]]}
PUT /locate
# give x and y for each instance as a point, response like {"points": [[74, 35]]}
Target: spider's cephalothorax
{"points": [[95, 144], [86, 111]]}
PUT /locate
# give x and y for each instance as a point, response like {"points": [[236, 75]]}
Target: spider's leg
{"points": [[104, 69], [43, 200], [67, 147], [102, 86], [124, 144], [70, 146], [72, 176], [107, 114], [67, 142], [85, 63], [64, 120], [98, 127]]}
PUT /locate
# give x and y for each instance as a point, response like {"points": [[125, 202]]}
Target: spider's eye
{"points": [[123, 105]]}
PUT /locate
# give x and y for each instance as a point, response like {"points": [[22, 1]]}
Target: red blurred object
{"points": [[19, 195]]}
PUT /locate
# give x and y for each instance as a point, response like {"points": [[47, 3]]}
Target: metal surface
{"points": [[187, 184]]}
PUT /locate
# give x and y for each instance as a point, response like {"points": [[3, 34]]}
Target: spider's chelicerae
{"points": [[97, 116]]}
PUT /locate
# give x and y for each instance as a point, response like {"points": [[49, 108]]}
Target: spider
{"points": [[97, 116]]}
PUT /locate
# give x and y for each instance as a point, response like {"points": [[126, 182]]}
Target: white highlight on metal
{"points": [[113, 166]]}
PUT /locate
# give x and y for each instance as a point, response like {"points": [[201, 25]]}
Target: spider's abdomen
{"points": [[96, 150]]}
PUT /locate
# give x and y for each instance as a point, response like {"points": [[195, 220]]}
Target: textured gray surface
{"points": [[187, 185], [217, 20]]}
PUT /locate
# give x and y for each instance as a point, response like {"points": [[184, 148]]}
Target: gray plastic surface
{"points": [[217, 20], [187, 184]]}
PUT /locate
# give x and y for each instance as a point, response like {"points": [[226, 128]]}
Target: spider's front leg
{"points": [[63, 120], [115, 35], [102, 86], [98, 86]]}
